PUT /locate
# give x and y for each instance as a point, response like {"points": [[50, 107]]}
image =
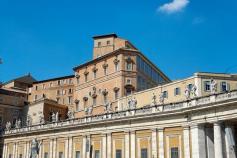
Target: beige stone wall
{"points": [[52, 90]]}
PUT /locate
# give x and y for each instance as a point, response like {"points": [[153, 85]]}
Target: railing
{"points": [[129, 113]]}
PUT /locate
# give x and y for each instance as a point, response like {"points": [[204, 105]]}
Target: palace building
{"points": [[119, 105]]}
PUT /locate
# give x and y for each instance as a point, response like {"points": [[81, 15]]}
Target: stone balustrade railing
{"points": [[128, 113]]}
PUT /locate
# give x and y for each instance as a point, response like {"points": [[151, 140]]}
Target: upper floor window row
{"points": [[52, 84], [223, 86], [148, 70]]}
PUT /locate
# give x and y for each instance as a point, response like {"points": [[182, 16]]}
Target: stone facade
{"points": [[120, 105]]}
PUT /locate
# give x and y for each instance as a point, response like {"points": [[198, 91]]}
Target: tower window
{"points": [[99, 44]]}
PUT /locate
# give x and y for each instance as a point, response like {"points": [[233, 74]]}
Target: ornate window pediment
{"points": [[94, 69], [85, 98], [105, 65], [129, 59], [105, 92], [116, 61], [116, 89]]}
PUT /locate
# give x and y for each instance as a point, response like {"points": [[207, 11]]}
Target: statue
{"points": [[53, 117], [70, 114], [28, 120], [187, 93], [162, 98], [41, 119], [194, 90], [88, 110], [132, 103], [213, 86], [35, 147], [8, 126], [18, 123], [108, 107], [153, 100], [56, 117]]}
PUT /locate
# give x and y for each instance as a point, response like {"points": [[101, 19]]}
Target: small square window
{"points": [[207, 85], [165, 94], [174, 152], [224, 86], [99, 44], [177, 91], [108, 42]]}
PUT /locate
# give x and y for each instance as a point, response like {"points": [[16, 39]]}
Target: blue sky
{"points": [[49, 37]]}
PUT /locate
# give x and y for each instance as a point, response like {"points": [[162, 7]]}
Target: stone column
{"points": [[133, 144], [210, 142], [41, 149], [154, 143], [218, 140], [55, 148], [186, 139], [104, 145], [14, 154], [70, 147], [229, 141], [84, 147], [66, 147], [198, 141], [27, 149], [127, 144], [4, 151], [109, 145], [161, 142], [51, 148]]}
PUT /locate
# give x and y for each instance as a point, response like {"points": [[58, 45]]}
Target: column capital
{"points": [[154, 129], [160, 129]]}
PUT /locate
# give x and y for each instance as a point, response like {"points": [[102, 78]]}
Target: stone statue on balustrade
{"points": [[153, 100], [88, 110], [162, 98], [28, 120], [41, 119], [35, 147], [194, 91], [187, 92], [18, 123], [8, 126], [108, 107], [53, 117], [213, 86], [132, 103], [70, 114]]}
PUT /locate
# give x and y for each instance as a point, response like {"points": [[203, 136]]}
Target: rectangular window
{"points": [[78, 80], [78, 154], [58, 92], [36, 88], [20, 156], [118, 153], [94, 101], [174, 152], [99, 44], [177, 91], [165, 94], [46, 155], [190, 87], [105, 99], [86, 78], [128, 91], [116, 95], [94, 74], [144, 153], [97, 154], [116, 67], [207, 85], [129, 66], [59, 82], [36, 97], [77, 106], [60, 155], [105, 71], [70, 100], [224, 87], [108, 42]]}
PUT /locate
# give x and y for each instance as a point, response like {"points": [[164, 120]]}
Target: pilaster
{"points": [[133, 144], [154, 143], [198, 141], [104, 146], [186, 139], [127, 144], [218, 148], [109, 145], [161, 142]]}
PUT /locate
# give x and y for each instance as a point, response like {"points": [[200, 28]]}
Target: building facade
{"points": [[120, 105]]}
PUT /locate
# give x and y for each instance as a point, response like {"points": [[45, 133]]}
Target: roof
{"points": [[105, 36], [28, 79], [53, 79]]}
